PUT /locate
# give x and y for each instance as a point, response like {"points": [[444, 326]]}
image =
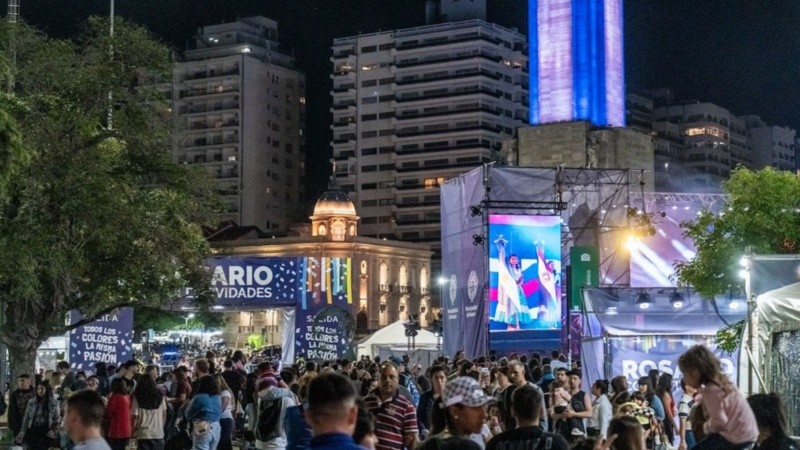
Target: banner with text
{"points": [[108, 339], [325, 327], [635, 357], [242, 282]]}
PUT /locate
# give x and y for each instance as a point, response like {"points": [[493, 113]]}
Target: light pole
{"points": [[187, 319], [441, 281]]}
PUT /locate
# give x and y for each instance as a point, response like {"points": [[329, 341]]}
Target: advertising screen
{"points": [[524, 272]]}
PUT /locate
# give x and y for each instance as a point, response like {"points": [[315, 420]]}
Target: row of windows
{"points": [[384, 115], [375, 48], [371, 100], [377, 168], [373, 220], [377, 150], [382, 82]]}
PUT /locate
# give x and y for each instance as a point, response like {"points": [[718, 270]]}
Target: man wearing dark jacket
{"points": [[18, 401]]}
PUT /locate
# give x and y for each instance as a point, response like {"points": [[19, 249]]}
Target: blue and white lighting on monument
{"points": [[577, 66]]}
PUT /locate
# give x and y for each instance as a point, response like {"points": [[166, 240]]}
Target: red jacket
{"points": [[118, 417]]}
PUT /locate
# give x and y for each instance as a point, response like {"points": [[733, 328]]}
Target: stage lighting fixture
{"points": [[643, 300], [676, 300], [475, 210], [477, 239]]}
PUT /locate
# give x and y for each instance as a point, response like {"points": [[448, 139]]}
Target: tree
{"points": [[762, 213], [100, 217]]}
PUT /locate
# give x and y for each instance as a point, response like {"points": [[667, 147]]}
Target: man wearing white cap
{"points": [[463, 404]]}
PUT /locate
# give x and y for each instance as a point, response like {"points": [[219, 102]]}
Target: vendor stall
{"points": [[629, 331]]}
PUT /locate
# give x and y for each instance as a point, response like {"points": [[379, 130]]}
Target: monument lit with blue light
{"points": [[576, 61]]}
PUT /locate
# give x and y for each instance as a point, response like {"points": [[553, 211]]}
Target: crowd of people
{"points": [[516, 402]]}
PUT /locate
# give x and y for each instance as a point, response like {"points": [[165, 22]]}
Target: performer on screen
{"points": [[548, 304], [512, 307]]}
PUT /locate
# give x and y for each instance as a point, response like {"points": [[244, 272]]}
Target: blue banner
{"points": [[324, 324], [108, 339], [256, 282], [635, 357]]}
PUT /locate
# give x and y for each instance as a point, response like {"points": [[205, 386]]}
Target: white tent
{"points": [[394, 337]]}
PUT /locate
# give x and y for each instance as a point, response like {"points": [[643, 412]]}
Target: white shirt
{"points": [[601, 415], [227, 413]]}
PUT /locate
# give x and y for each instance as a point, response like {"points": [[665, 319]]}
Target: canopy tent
{"points": [[629, 331], [394, 337]]}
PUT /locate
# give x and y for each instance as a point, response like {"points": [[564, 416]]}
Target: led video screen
{"points": [[524, 272]]}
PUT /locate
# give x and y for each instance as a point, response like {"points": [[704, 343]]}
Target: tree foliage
{"points": [[100, 217], [762, 213]]}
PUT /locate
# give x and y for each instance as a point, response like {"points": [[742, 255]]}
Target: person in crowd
{"points": [[67, 379], [768, 410], [619, 384], [83, 420], [93, 383], [569, 424], [211, 357], [118, 416], [624, 433], [226, 414], [526, 408], [601, 411], [234, 379], [152, 371], [42, 417], [298, 430], [503, 383], [427, 399], [199, 370], [462, 411], [731, 423], [516, 370], [101, 372], [364, 434], [653, 401], [664, 393], [149, 410], [203, 413], [274, 399], [395, 416], [131, 374], [18, 402], [332, 412], [685, 405]]}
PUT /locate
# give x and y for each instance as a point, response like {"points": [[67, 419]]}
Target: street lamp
{"points": [[187, 319]]}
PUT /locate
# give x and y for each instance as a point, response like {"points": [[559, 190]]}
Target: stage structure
{"points": [[587, 207]]}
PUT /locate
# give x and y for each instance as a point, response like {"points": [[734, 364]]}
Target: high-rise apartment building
{"points": [[773, 146], [577, 64], [715, 141], [415, 107], [239, 105]]}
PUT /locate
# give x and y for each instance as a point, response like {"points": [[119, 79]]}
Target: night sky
{"points": [[742, 55]]}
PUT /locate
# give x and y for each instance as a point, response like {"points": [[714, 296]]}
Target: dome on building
{"points": [[334, 202]]}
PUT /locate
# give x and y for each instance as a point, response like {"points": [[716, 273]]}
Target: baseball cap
{"points": [[466, 391]]}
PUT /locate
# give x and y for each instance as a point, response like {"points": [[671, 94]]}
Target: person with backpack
{"points": [[274, 398], [526, 407]]}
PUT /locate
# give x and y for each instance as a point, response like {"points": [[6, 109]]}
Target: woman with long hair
{"points": [[653, 401], [456, 415], [118, 415], [619, 384], [512, 307], [226, 414], [731, 424], [625, 433], [41, 419], [149, 415], [771, 421], [664, 393], [203, 413], [601, 410]]}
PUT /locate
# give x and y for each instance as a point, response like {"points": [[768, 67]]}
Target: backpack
{"points": [[269, 414]]}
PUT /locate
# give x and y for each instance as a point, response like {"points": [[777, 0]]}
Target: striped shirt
{"points": [[394, 418]]}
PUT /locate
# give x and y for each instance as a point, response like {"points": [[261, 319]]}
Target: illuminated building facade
{"points": [[376, 281], [576, 61]]}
